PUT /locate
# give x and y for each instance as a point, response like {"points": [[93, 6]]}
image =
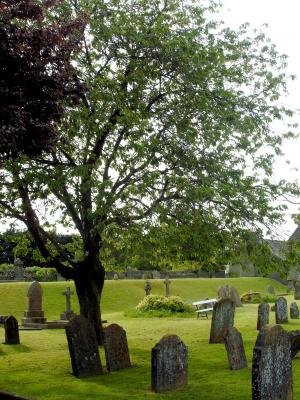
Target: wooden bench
{"points": [[203, 307]]}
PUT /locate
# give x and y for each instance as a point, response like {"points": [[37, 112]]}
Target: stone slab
{"points": [[222, 320], [116, 348]]}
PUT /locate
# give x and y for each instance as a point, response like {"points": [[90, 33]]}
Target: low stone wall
{"points": [[140, 274]]}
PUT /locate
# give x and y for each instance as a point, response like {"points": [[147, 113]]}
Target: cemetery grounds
{"points": [[40, 368]]}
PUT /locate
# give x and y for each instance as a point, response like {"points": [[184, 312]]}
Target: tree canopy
{"points": [[175, 124]]}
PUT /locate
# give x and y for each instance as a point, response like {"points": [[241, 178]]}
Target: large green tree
{"points": [[175, 123]]}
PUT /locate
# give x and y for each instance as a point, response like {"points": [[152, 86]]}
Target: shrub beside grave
{"points": [[40, 274], [161, 306]]}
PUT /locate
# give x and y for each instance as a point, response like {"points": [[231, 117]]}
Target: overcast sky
{"points": [[283, 22]]}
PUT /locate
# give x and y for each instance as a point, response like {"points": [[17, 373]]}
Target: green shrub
{"points": [[269, 298], [40, 274], [173, 304], [233, 275], [6, 267], [251, 298]]}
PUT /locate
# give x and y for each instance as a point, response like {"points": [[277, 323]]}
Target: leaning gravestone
{"points": [[116, 348], [235, 349], [270, 289], [263, 315], [235, 297], [297, 291], [272, 365], [281, 311], [294, 337], [222, 319], [34, 313], [11, 331], [169, 364], [83, 347], [294, 311]]}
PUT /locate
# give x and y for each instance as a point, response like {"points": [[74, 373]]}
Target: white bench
{"points": [[204, 306]]}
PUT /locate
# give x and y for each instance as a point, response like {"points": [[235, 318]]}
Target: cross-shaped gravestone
{"points": [[147, 288], [68, 314], [167, 283]]}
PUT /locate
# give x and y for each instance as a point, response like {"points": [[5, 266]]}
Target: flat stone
{"points": [[263, 315], [281, 311], [222, 320], [294, 311], [272, 365], [116, 348], [235, 349], [11, 329], [83, 347], [169, 364]]}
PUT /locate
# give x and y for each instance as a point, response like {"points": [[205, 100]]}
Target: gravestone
{"points": [[222, 319], [294, 337], [297, 291], [147, 288], [19, 270], [224, 292], [83, 347], [34, 313], [281, 311], [271, 365], [235, 297], [167, 283], [11, 329], [270, 289], [68, 314], [169, 364], [263, 315], [116, 276], [235, 349], [116, 348], [294, 311]]}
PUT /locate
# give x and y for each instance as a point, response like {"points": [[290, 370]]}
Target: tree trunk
{"points": [[89, 285]]}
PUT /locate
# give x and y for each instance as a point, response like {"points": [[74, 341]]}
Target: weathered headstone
{"points": [[68, 314], [294, 311], [281, 311], [169, 364], [294, 337], [11, 329], [224, 292], [167, 283], [35, 314], [222, 320], [297, 291], [272, 366], [263, 315], [235, 297], [116, 348], [83, 347], [235, 349], [19, 269], [270, 289], [147, 288], [116, 276]]}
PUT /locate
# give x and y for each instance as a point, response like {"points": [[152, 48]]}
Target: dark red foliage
{"points": [[36, 77]]}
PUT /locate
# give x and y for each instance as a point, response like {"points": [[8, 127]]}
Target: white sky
{"points": [[284, 30]]}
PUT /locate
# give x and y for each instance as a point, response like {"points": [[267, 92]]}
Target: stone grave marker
{"points": [[270, 289], [224, 292], [19, 269], [83, 347], [294, 311], [235, 297], [116, 348], [68, 314], [235, 349], [167, 283], [297, 291], [35, 314], [272, 365], [294, 337], [147, 288], [11, 329], [281, 311], [222, 319], [169, 364], [263, 315]]}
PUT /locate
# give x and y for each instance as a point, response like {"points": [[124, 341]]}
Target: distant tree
{"points": [[36, 76], [175, 124]]}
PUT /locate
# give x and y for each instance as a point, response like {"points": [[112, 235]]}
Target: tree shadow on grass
{"points": [[17, 348]]}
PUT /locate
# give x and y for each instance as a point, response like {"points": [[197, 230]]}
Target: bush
{"points": [[173, 304], [269, 298], [7, 271], [40, 274], [233, 275], [251, 298]]}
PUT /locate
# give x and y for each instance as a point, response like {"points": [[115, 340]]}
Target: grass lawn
{"points": [[39, 368]]}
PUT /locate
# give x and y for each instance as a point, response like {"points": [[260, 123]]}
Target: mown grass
{"points": [[39, 368]]}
